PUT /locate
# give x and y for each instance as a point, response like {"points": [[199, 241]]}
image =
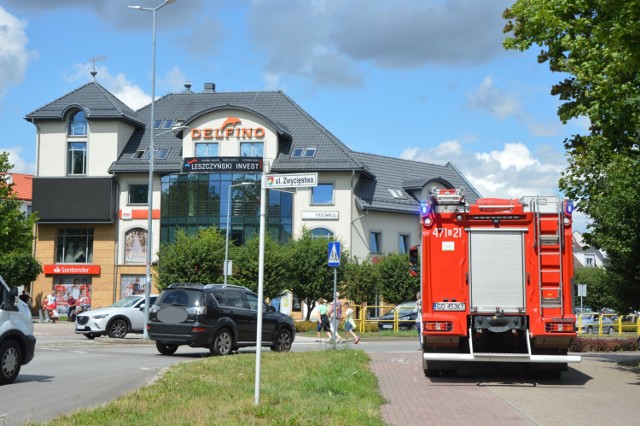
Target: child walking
{"points": [[349, 323]]}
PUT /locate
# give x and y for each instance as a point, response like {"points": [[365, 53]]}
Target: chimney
{"points": [[209, 88], [187, 86]]}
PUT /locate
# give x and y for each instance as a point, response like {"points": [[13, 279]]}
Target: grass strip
{"points": [[329, 387]]}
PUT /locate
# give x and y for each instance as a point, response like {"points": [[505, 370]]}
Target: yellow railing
{"points": [[619, 324], [365, 313]]}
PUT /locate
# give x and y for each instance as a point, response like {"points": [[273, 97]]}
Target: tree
{"points": [[19, 268], [599, 290], [17, 265], [311, 276], [397, 285], [194, 258], [277, 269], [361, 281], [595, 45]]}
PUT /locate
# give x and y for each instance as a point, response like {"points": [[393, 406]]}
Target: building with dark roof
{"points": [[91, 183]]}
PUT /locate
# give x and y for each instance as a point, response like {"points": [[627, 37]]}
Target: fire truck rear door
{"points": [[496, 270]]}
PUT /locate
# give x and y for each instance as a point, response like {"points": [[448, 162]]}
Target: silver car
{"points": [[590, 323]]}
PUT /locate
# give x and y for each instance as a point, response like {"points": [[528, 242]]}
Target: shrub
{"points": [[587, 344]]}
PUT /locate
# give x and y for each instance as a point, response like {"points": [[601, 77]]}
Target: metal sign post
{"points": [[273, 181], [333, 253], [582, 292]]}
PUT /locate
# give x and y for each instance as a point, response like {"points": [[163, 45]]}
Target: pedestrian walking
{"points": [[324, 317], [419, 319], [349, 323], [335, 316]]}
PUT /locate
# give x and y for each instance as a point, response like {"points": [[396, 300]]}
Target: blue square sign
{"points": [[334, 254]]}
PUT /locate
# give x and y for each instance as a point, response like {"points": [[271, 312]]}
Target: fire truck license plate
{"points": [[449, 306]]}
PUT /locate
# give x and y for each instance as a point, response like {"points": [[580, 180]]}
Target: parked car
{"points": [[590, 323], [116, 321], [220, 317], [406, 312]]}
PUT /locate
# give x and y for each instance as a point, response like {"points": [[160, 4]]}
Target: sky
{"points": [[425, 80]]}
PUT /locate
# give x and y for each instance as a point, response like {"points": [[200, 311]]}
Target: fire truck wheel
{"points": [[431, 372]]}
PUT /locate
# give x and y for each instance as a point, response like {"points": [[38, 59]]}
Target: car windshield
{"points": [[127, 302]]}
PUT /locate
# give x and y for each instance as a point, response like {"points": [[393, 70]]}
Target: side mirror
{"points": [[142, 307], [272, 308], [13, 296]]}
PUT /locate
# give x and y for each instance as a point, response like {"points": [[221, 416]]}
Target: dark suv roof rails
{"points": [[184, 285], [239, 287]]}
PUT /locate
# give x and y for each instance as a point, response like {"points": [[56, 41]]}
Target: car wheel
{"points": [[9, 362], [283, 341], [166, 349], [589, 330], [222, 344], [611, 330], [90, 336], [118, 329]]}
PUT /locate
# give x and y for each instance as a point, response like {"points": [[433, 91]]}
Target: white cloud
{"points": [[511, 172], [494, 100], [20, 165], [14, 55], [124, 89]]}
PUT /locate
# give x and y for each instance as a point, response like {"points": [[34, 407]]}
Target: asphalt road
{"points": [[71, 372]]}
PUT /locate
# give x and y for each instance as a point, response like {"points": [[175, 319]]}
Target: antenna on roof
{"points": [[93, 61]]}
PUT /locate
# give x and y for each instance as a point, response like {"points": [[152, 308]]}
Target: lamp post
{"points": [[226, 244], [147, 292]]}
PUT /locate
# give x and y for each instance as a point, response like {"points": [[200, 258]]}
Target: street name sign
{"points": [[300, 180]]}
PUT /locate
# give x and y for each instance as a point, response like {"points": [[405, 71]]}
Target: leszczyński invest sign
{"points": [[289, 181], [221, 164]]}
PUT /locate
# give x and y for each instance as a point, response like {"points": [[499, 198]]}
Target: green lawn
{"points": [[329, 387]]}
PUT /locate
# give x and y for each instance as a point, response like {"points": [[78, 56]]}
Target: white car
{"points": [[124, 316]]}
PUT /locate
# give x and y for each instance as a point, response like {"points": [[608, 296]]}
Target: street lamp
{"points": [[226, 244], [147, 292]]}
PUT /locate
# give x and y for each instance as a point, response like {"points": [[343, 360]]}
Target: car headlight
{"points": [[100, 316]]}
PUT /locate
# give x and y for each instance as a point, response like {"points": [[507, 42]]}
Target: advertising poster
{"points": [[132, 285], [74, 288], [135, 250]]}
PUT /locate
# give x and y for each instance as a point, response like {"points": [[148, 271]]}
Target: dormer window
{"points": [[305, 151], [78, 124], [165, 124], [398, 194]]}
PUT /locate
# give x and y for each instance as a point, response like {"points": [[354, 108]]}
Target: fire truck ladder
{"points": [[549, 246]]}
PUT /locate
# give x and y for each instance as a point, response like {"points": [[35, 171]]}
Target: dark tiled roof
{"points": [[296, 127], [397, 174], [96, 101]]}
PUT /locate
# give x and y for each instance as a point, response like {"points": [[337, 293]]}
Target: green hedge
{"points": [[592, 344]]}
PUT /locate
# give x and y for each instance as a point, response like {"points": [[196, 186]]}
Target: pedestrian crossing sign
{"points": [[334, 253]]}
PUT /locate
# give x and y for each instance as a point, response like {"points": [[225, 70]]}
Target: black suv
{"points": [[220, 317]]}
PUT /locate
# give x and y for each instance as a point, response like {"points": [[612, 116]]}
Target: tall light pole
{"points": [[147, 292], [226, 244]]}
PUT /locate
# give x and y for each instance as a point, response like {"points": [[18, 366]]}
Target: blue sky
{"points": [[426, 80]]}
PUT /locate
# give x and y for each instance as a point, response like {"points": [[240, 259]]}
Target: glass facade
{"points": [[194, 201]]}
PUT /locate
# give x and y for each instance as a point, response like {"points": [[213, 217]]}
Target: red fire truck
{"points": [[496, 282]]}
